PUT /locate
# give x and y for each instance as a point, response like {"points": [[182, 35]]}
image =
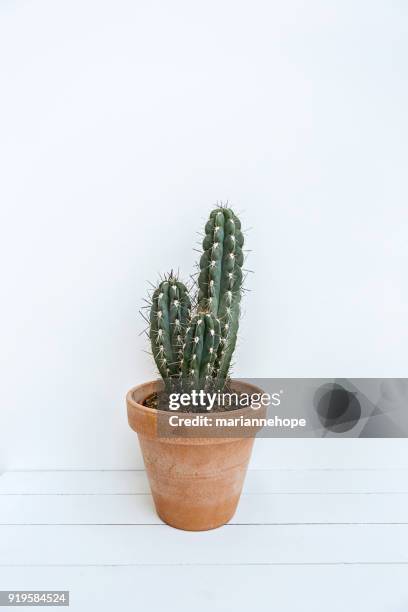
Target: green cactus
{"points": [[220, 282], [201, 343], [195, 351], [169, 315]]}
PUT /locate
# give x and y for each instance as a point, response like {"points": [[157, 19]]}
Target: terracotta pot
{"points": [[196, 482]]}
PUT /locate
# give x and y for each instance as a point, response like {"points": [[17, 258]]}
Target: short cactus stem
{"points": [[201, 344], [169, 314]]}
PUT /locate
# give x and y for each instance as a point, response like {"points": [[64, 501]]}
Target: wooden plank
{"points": [[75, 482], [253, 509], [330, 453], [159, 544], [319, 588], [257, 481]]}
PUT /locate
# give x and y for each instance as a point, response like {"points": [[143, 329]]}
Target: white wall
{"points": [[121, 124]]}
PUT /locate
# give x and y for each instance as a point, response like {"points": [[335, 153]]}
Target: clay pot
{"points": [[196, 482]]}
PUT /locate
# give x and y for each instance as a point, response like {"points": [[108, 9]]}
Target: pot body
{"points": [[196, 483]]}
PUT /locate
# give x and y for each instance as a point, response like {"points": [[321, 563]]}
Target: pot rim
{"points": [[143, 419], [158, 382]]}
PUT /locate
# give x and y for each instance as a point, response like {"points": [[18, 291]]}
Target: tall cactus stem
{"points": [[220, 281]]}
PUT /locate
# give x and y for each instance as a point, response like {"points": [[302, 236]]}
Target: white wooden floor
{"points": [[301, 540]]}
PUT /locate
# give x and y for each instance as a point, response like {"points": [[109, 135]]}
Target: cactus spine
{"points": [[201, 343], [220, 282], [169, 314]]}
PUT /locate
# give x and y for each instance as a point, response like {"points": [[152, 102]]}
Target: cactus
{"points": [[169, 315], [220, 282], [195, 351], [201, 343]]}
